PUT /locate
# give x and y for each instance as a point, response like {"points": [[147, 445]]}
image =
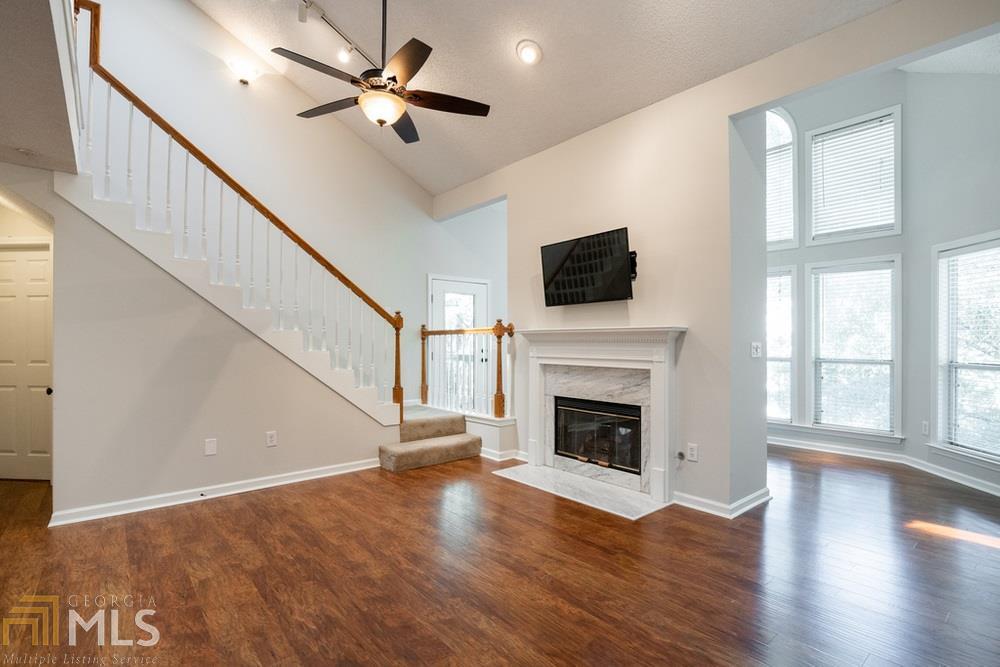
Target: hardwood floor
{"points": [[452, 564]]}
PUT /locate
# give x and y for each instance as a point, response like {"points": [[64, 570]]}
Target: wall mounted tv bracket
{"points": [[632, 265]]}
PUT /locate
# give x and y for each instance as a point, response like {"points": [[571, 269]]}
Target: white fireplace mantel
{"points": [[649, 348]]}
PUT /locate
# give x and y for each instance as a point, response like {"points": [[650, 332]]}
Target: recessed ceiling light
{"points": [[529, 52], [344, 55]]}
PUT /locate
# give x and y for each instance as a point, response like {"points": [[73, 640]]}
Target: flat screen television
{"points": [[589, 269]]}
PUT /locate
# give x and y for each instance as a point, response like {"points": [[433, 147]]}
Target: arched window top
{"points": [[779, 129], [781, 179]]}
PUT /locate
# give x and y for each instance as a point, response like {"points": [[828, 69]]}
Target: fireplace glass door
{"points": [[608, 434]]}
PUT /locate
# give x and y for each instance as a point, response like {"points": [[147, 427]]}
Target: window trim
{"points": [[940, 409], [792, 243], [843, 237], [857, 264], [793, 388]]}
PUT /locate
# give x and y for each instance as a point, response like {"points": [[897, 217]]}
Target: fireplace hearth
{"points": [[599, 432]]}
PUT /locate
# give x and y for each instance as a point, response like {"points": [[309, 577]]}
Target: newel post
{"points": [[397, 389], [423, 364], [499, 400]]}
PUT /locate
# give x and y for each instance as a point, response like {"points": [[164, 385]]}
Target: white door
{"points": [[462, 304], [459, 304], [25, 363]]}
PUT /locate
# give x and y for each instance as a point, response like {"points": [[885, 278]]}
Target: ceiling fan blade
{"points": [[318, 66], [406, 62], [329, 107], [405, 128], [442, 102]]}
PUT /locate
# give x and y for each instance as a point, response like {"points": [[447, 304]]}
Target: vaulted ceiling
{"points": [[602, 59]]}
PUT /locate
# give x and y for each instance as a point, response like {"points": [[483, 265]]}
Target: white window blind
{"points": [[854, 178], [779, 347], [854, 355], [971, 347], [780, 179]]}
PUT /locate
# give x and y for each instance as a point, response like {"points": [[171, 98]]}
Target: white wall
{"points": [[145, 370], [950, 168], [14, 224], [354, 206], [664, 172], [480, 236]]}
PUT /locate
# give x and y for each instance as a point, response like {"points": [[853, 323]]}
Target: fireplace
{"points": [[607, 434]]}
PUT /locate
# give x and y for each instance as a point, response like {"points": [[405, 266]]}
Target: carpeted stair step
{"points": [[434, 426], [402, 456]]}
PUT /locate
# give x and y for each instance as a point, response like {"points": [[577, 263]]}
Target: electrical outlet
{"points": [[756, 349], [925, 428], [211, 446], [692, 453], [271, 439]]}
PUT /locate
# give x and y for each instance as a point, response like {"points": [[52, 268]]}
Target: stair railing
{"points": [[456, 369], [178, 190]]}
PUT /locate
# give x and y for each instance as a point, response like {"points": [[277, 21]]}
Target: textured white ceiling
{"points": [[34, 117], [602, 59], [979, 57]]}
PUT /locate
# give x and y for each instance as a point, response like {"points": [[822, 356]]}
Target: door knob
{"points": [[48, 391]]}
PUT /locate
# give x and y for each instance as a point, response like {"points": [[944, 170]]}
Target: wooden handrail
{"points": [[499, 330], [395, 320]]}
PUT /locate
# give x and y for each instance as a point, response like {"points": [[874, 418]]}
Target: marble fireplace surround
{"points": [[631, 365]]}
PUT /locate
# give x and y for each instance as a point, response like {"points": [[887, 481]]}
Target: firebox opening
{"points": [[608, 434]]}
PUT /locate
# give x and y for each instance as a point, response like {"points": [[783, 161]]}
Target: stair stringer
{"points": [[119, 219]]}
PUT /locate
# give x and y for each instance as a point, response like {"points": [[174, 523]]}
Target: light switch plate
{"points": [[271, 439], [692, 452], [756, 349], [211, 446]]}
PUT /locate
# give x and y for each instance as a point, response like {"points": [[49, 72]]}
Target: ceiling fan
{"points": [[384, 95]]}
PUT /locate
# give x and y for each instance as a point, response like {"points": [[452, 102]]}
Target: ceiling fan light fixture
{"points": [[529, 52], [380, 107]]}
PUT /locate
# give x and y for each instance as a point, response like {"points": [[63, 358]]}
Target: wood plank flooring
{"points": [[454, 565]]}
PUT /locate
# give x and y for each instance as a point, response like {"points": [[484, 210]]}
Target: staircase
{"points": [[429, 437], [153, 188]]}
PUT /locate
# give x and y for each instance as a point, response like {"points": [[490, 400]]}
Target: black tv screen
{"points": [[588, 269]]}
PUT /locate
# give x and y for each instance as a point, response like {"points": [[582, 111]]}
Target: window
{"points": [[855, 345], [854, 171], [780, 314], [969, 346], [780, 180]]}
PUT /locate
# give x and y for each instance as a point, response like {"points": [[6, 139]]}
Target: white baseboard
{"points": [[891, 457], [730, 511], [90, 512], [494, 455]]}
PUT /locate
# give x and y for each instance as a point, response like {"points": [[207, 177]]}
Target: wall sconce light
{"points": [[243, 70]]}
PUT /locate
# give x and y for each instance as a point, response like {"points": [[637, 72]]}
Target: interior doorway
{"points": [[458, 303], [25, 357]]}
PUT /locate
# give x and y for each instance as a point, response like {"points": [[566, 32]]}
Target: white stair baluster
{"points": [[267, 266], [371, 356], [149, 171], [185, 235], [169, 209], [324, 344], [281, 282], [385, 361], [89, 152], [336, 325], [252, 300], [350, 332], [236, 271], [309, 306], [107, 144], [220, 267], [128, 167], [204, 213], [295, 288]]}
